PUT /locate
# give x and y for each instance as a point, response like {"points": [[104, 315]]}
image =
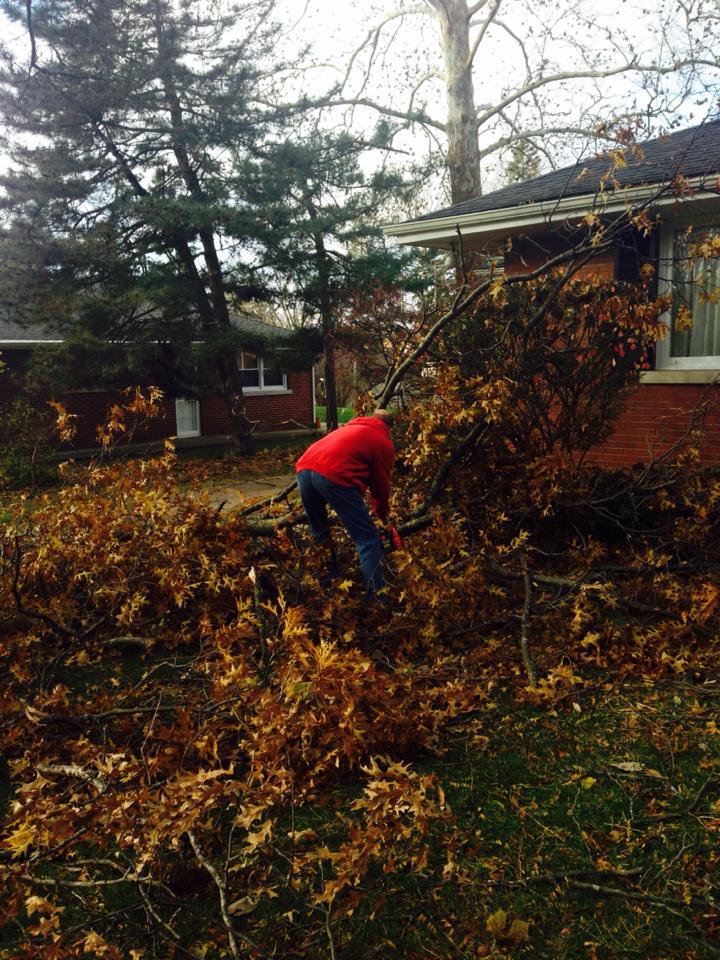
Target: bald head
{"points": [[387, 418]]}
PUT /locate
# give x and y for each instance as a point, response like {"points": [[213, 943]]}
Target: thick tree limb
{"points": [[465, 299], [270, 501], [31, 34]]}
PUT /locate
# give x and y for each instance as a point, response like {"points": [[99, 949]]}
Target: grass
{"points": [[344, 413], [548, 803]]}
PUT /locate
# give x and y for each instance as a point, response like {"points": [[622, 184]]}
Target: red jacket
{"points": [[360, 454]]}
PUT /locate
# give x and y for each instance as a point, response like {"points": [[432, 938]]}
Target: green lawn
{"points": [[344, 413], [585, 831]]}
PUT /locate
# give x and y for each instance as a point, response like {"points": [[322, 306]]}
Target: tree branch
{"points": [[233, 934], [483, 30], [632, 67]]}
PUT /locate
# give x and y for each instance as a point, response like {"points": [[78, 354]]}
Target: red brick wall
{"points": [[271, 411], [526, 256], [15, 362], [280, 411], [92, 409], [657, 416]]}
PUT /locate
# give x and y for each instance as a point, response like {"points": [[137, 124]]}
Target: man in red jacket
{"points": [[337, 470]]}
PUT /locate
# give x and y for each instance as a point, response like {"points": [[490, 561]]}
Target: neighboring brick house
{"points": [[545, 216], [275, 399]]}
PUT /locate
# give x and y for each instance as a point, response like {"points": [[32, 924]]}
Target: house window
{"points": [[258, 374], [694, 339], [187, 417]]}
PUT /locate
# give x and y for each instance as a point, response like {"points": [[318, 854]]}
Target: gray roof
{"points": [[16, 334], [13, 332], [694, 152], [253, 325]]}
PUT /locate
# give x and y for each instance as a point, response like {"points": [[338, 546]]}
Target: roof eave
{"points": [[488, 224], [25, 343]]}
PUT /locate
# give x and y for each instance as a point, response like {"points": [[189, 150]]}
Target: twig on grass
{"points": [[233, 934], [638, 895], [670, 905], [126, 641], [687, 811]]}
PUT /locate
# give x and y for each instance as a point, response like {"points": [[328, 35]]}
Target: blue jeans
{"points": [[316, 493]]}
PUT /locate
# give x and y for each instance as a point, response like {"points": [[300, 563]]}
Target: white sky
{"points": [[335, 27]]}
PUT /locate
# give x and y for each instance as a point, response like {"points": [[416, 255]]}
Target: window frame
{"points": [[666, 287], [192, 433], [261, 388]]}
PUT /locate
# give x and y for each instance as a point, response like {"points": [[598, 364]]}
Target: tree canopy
{"points": [[122, 212]]}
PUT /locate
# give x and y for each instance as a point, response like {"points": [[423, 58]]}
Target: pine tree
{"points": [[121, 212], [318, 216]]}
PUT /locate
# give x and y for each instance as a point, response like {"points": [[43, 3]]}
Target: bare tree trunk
{"points": [[463, 156], [326, 318]]}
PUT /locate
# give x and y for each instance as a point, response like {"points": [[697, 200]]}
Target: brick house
{"points": [[275, 399], [544, 216]]}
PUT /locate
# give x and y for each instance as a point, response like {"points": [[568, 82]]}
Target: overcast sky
{"points": [[334, 28]]}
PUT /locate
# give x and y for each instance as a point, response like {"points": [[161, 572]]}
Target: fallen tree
{"points": [[182, 695]]}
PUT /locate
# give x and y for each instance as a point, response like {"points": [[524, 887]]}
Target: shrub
{"points": [[26, 446]]}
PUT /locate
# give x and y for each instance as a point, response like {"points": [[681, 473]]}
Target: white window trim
{"points": [[187, 433], [261, 373], [663, 361]]}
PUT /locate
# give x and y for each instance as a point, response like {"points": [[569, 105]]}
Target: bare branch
{"points": [[631, 67], [74, 770], [483, 30], [233, 934], [412, 116], [373, 36], [478, 6], [530, 135]]}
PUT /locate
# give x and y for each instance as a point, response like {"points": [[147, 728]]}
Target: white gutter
{"points": [[26, 343], [504, 220]]}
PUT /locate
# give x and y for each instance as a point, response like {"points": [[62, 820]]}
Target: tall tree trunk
{"points": [[226, 368], [326, 317], [330, 378], [463, 155]]}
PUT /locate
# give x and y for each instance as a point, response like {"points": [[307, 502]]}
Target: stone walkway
{"points": [[238, 495]]}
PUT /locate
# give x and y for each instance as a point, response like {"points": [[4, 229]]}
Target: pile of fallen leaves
{"points": [[209, 754]]}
